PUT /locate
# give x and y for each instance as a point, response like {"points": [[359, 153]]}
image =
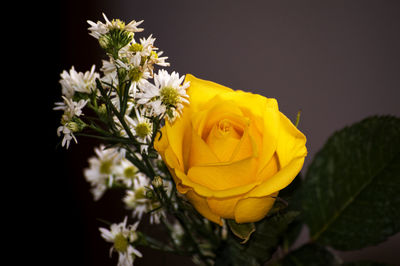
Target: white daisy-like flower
{"points": [[132, 64], [122, 237], [146, 51], [70, 107], [137, 73], [78, 82], [142, 48], [100, 173], [140, 127], [167, 95], [155, 58], [99, 28]]}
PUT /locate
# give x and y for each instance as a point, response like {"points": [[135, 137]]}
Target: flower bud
{"points": [[73, 126], [157, 182], [104, 41]]}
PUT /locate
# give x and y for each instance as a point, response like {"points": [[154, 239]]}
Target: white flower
{"points": [[142, 129], [98, 29], [108, 66], [70, 107], [101, 170], [144, 48], [167, 95], [155, 58], [137, 73], [122, 237], [68, 134], [78, 82]]}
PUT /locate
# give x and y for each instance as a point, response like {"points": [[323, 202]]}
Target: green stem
{"points": [[104, 138]]}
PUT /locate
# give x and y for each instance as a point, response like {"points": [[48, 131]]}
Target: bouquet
{"points": [[219, 169]]}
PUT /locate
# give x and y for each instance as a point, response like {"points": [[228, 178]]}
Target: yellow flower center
{"points": [[136, 47], [120, 243], [154, 54], [130, 171], [135, 74], [143, 129], [169, 96], [118, 23], [140, 193], [105, 167]]}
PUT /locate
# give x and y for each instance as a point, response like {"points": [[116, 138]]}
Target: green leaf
{"points": [[243, 231], [309, 255], [350, 197]]}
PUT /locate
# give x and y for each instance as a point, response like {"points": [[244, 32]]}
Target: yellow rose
{"points": [[231, 152]]}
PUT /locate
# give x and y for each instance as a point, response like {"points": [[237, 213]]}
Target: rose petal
{"points": [[224, 207], [200, 152], [202, 91], [270, 169], [225, 176], [253, 209], [184, 182], [291, 142], [200, 203], [280, 180]]}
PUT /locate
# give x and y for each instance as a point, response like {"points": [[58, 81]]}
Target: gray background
{"points": [[337, 61]]}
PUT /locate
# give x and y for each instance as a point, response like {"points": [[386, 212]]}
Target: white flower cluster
{"points": [[126, 103], [132, 86], [109, 168], [73, 83]]}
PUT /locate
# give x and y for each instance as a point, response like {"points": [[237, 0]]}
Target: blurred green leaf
{"points": [[350, 196], [309, 255]]}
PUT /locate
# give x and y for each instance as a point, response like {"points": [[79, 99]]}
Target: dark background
{"points": [[337, 61]]}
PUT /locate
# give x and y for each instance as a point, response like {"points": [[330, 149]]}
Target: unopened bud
{"points": [[72, 126], [102, 111], [104, 41], [157, 182]]}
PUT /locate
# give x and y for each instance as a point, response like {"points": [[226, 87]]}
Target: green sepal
{"points": [[243, 231]]}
